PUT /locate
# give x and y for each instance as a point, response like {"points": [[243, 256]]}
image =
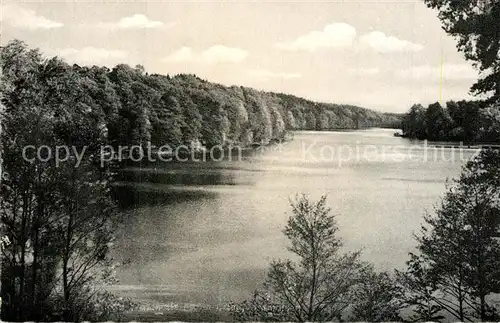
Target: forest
{"points": [[132, 106], [462, 121]]}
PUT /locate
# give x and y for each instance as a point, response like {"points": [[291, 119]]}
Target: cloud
{"points": [[220, 53], [342, 35], [265, 75], [383, 43], [88, 55], [136, 21], [23, 18], [449, 71], [364, 71], [185, 54], [334, 35], [213, 55]]}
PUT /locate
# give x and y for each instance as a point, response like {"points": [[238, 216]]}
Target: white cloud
{"points": [[136, 21], [332, 36], [449, 72], [342, 35], [265, 75], [364, 71], [221, 53], [20, 17], [185, 54], [213, 55], [383, 43], [88, 55]]}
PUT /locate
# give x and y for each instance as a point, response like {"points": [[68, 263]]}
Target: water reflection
{"points": [[206, 231]]}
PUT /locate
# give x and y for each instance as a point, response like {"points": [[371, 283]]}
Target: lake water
{"points": [[204, 232]]}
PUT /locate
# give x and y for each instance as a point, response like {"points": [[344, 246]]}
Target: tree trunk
{"points": [[36, 253], [66, 256], [483, 308], [34, 277], [461, 296], [313, 282], [22, 244]]}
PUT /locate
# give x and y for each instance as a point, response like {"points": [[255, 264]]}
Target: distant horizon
{"points": [[347, 52]]}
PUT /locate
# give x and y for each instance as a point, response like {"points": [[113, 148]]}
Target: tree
{"points": [[319, 285], [191, 130], [490, 125], [413, 123], [465, 117], [437, 122], [215, 123], [377, 297], [464, 232], [135, 98], [84, 232], [278, 124], [167, 122], [310, 118], [238, 118], [419, 291], [475, 24], [259, 118], [459, 249], [262, 306], [58, 217], [478, 199], [290, 121]]}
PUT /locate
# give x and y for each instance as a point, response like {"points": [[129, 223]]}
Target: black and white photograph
{"points": [[250, 161]]}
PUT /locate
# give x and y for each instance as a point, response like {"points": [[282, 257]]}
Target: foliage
{"points": [[465, 121], [457, 268], [138, 108], [377, 297], [419, 290], [263, 306], [490, 124], [323, 284], [413, 123], [474, 23], [58, 217]]}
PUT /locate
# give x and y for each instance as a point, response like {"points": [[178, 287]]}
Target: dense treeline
{"points": [[185, 109], [465, 121], [136, 107], [310, 115]]}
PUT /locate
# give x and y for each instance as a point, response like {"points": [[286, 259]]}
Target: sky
{"points": [[382, 55]]}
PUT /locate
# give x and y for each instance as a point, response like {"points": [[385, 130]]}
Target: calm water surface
{"points": [[204, 232]]}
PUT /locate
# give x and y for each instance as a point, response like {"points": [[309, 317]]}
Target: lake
{"points": [[204, 232]]}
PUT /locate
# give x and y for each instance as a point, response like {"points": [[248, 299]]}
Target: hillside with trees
{"points": [[135, 107], [184, 108]]}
